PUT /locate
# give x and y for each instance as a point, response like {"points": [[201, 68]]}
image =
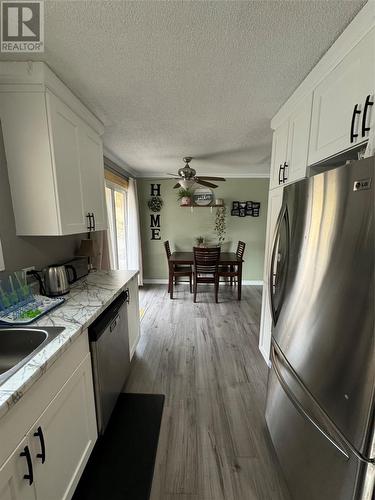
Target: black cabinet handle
{"points": [[356, 112], [368, 103], [285, 172], [42, 454], [88, 216], [127, 296], [30, 475], [281, 168]]}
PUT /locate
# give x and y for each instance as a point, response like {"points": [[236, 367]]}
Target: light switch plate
{"points": [[2, 265]]}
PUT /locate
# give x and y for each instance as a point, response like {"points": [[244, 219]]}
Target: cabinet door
{"points": [[64, 137], [274, 204], [279, 153], [92, 174], [298, 140], [133, 315], [334, 100], [13, 485], [68, 428]]}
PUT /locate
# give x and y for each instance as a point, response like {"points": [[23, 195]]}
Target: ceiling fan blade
{"points": [[174, 175], [212, 178], [176, 185], [207, 184]]}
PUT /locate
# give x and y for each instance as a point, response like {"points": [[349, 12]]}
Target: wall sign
{"points": [[155, 204], [245, 208], [203, 197]]}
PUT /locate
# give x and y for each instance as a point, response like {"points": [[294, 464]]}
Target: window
{"points": [[116, 197]]}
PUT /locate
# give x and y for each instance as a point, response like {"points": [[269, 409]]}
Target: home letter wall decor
{"points": [[154, 204]]}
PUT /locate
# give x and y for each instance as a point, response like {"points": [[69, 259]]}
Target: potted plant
{"points": [[200, 241], [185, 196], [220, 224]]}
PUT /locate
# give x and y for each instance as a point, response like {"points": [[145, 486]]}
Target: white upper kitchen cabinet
{"points": [[342, 106], [298, 141], [92, 177], [279, 153], [64, 136], [54, 153], [290, 145]]}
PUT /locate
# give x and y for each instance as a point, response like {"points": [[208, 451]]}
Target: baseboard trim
{"points": [[265, 356], [162, 281], [158, 281]]}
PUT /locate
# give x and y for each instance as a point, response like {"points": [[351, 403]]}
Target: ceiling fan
{"points": [[187, 177]]}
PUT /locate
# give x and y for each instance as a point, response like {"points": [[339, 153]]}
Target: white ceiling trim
{"points": [[250, 175], [120, 163]]}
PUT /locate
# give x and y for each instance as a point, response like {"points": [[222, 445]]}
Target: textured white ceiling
{"points": [[199, 78]]}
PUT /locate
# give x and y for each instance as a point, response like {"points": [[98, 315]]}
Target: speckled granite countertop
{"points": [[86, 301]]}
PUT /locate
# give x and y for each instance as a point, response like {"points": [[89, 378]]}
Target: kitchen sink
{"points": [[19, 345]]}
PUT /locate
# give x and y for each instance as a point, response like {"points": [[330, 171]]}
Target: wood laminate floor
{"points": [[204, 357]]}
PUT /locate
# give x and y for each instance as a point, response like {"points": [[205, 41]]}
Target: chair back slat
{"points": [[240, 249], [167, 249], [206, 260]]}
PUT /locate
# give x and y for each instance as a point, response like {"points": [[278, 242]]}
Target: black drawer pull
{"points": [[281, 168], [368, 103], [356, 112], [30, 475], [42, 454]]}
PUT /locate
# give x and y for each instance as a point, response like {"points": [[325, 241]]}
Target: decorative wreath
{"points": [[155, 203]]}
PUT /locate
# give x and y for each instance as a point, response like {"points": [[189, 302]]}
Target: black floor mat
{"points": [[121, 466]]}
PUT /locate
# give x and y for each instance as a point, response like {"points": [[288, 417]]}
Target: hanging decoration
{"points": [[245, 208], [155, 204]]}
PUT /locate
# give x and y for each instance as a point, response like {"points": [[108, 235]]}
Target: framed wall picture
{"points": [[245, 208]]}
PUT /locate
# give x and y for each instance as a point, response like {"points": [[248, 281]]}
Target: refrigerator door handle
{"points": [[275, 352], [272, 278]]}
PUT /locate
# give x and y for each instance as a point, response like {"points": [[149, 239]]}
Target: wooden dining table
{"points": [[187, 258]]}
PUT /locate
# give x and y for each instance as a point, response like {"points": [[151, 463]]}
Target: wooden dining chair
{"points": [[234, 272], [206, 268], [174, 271]]}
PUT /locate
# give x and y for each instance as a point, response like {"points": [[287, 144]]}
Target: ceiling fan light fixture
{"points": [[187, 183]]}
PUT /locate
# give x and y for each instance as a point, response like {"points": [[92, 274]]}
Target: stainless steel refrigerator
{"points": [[320, 399]]}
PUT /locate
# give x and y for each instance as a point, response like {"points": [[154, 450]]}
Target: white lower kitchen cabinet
{"points": [[133, 315], [13, 484], [68, 427], [55, 422]]}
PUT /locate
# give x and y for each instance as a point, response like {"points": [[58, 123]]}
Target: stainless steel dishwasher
{"points": [[109, 345]]}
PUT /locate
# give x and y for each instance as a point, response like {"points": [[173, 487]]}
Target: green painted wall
{"points": [[180, 226]]}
